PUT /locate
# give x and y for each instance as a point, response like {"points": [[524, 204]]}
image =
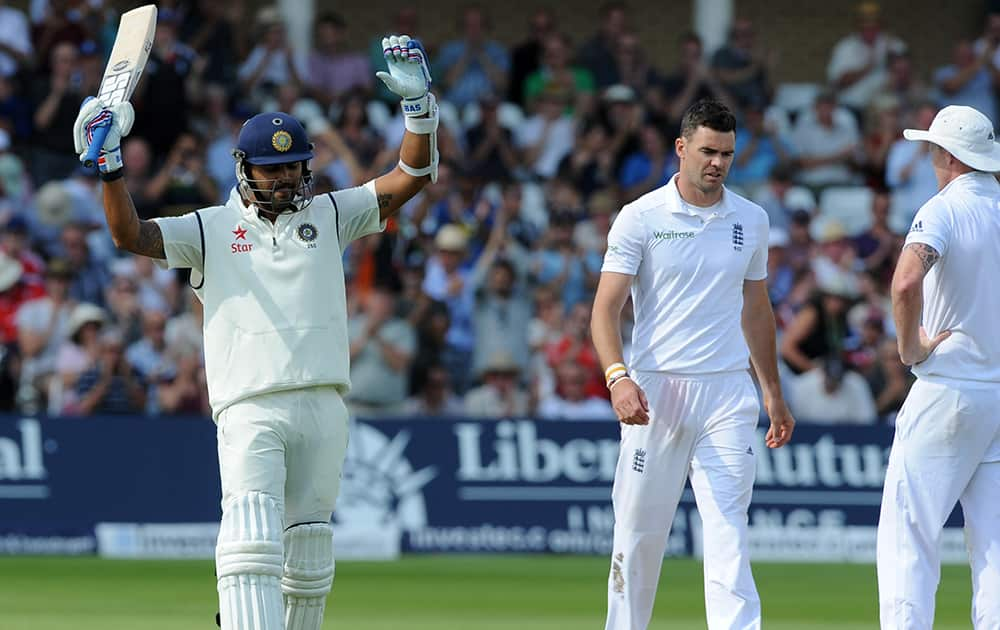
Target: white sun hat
{"points": [[964, 132]]}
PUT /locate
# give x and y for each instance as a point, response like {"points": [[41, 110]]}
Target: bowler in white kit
{"points": [[946, 304], [693, 256], [268, 267]]}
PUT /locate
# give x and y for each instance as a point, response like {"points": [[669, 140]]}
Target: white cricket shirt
{"points": [[961, 293], [275, 304], [689, 267]]}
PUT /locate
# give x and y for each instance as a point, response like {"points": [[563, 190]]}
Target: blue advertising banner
{"points": [[150, 487]]}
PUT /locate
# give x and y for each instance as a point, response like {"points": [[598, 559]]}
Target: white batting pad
{"points": [[308, 574], [248, 563]]}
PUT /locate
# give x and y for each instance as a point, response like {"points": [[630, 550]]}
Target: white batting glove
{"points": [[93, 114], [408, 74]]}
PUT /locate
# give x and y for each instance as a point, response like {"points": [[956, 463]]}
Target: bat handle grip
{"points": [[94, 151]]}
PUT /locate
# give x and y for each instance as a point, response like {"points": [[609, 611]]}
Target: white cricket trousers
{"points": [[289, 445], [946, 449], [700, 427]]}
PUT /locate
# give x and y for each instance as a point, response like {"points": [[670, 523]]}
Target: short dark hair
{"points": [[709, 113]]}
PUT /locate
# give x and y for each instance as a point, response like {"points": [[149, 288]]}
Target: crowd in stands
{"points": [[476, 299]]}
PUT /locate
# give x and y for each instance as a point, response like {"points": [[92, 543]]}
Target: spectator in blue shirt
{"points": [[970, 80], [758, 151], [472, 67], [650, 167]]}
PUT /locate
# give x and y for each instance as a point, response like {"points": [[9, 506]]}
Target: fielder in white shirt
{"points": [[268, 267], [946, 304], [693, 256]]}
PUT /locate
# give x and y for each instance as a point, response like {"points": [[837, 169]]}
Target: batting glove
{"points": [[408, 74], [94, 115]]}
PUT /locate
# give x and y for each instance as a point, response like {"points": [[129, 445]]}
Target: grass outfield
{"points": [[441, 593]]}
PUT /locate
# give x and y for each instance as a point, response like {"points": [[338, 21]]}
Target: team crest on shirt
{"points": [[281, 140], [738, 237], [307, 232]]}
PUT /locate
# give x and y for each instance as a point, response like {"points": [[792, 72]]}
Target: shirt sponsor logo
{"points": [[241, 235], [670, 235]]}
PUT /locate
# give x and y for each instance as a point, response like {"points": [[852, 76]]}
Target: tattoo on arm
{"points": [[384, 200], [150, 240], [927, 254]]}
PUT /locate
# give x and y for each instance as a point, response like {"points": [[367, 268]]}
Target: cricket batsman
{"points": [[267, 266]]}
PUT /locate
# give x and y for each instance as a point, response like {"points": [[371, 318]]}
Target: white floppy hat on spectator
{"points": [[84, 313], [964, 132], [451, 238]]}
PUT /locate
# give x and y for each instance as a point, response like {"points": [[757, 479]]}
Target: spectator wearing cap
{"points": [[745, 67], [909, 173], [434, 397], [14, 293], [558, 75], [759, 150], [570, 400], [857, 67], [500, 395], [970, 80], [382, 349], [650, 167], [472, 65], [333, 70], [42, 327], [447, 280], [820, 328], [824, 141], [77, 354], [111, 386], [832, 393]]}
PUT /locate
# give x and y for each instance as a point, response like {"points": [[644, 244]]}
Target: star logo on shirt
{"points": [[240, 232]]}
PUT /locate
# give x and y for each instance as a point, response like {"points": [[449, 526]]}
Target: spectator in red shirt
{"points": [[575, 346], [13, 293]]}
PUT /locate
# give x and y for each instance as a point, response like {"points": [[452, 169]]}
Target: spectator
{"points": [[559, 265], [556, 75], [903, 83], [590, 165], [492, 156], [42, 326], [690, 82], [597, 54], [212, 29], [15, 241], [990, 39], [759, 150], [502, 315], [882, 129], [432, 326], [182, 182], [857, 67], [780, 275], [382, 348], [909, 173], [15, 40], [889, 380], [832, 394], [271, 63], [500, 395], [546, 137], [526, 58], [590, 235], [781, 198], [184, 332], [825, 140], [650, 167], [137, 153], [623, 115], [472, 66], [14, 293], [744, 67], [970, 80], [56, 101], [570, 400], [574, 345], [92, 277], [434, 398], [15, 111], [77, 354], [800, 242], [151, 359], [835, 261], [111, 386], [186, 393], [447, 280], [332, 69], [124, 308], [632, 64], [404, 20], [878, 247], [357, 133], [820, 329]]}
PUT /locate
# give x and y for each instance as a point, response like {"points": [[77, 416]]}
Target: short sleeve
{"points": [[626, 241], [357, 212], [757, 269], [931, 226], [183, 241]]}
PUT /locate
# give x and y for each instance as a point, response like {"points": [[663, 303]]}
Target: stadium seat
{"points": [[849, 205], [509, 114], [793, 97]]}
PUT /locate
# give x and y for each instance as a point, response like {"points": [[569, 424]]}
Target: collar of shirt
{"points": [[677, 205], [966, 181]]}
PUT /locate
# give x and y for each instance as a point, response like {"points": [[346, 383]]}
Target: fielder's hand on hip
{"points": [[408, 74], [629, 402], [782, 423], [93, 121]]}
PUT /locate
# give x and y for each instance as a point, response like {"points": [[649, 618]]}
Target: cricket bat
{"points": [[128, 57]]}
